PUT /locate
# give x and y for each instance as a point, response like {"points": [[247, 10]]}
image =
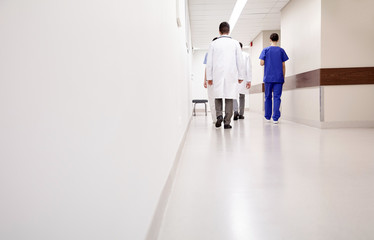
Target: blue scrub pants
{"points": [[271, 88]]}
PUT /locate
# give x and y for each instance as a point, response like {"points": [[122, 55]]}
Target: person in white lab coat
{"points": [[243, 87], [210, 92], [224, 69]]}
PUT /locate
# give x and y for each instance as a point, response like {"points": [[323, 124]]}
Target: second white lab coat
{"points": [[225, 66], [242, 89]]}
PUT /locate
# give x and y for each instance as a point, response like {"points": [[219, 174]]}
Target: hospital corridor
{"points": [[186, 120], [268, 181]]}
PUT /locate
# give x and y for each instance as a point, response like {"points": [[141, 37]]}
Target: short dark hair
{"points": [[274, 37], [224, 27], [241, 45]]}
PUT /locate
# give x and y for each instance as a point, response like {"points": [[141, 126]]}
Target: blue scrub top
{"points": [[274, 57]]}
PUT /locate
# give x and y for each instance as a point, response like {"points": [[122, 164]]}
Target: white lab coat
{"points": [[242, 89], [225, 66]]}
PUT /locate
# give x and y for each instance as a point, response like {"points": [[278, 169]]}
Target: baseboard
{"points": [[310, 123], [255, 111], [331, 125], [352, 124], [158, 216]]}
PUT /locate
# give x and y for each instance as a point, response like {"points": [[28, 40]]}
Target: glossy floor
{"points": [[263, 181]]}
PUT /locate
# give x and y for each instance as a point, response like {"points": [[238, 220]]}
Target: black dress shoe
{"points": [[241, 117], [227, 126], [219, 121], [236, 115]]}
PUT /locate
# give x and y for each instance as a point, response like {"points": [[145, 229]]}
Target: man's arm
{"points": [[209, 65], [249, 72], [263, 57], [240, 63], [284, 69]]}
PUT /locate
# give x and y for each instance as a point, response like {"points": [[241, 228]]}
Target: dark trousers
{"points": [[273, 90], [241, 106], [228, 109]]}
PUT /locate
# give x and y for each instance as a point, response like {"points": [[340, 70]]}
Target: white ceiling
{"points": [[257, 16]]}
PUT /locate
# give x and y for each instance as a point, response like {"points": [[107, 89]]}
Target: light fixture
{"points": [[239, 5]]}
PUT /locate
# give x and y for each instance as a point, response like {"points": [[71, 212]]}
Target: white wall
{"points": [[257, 70], [301, 39], [197, 79], [256, 100], [86, 135], [347, 33], [328, 34], [349, 103], [302, 106], [347, 41], [301, 35]]}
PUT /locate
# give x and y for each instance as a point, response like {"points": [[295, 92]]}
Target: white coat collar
{"points": [[224, 36]]}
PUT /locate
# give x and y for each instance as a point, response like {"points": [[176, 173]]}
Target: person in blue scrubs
{"points": [[273, 58]]}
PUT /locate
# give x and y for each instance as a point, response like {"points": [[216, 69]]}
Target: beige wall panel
{"points": [[301, 35]]}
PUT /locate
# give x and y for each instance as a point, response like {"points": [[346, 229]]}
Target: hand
{"points": [[205, 85], [210, 82], [240, 80], [248, 86]]}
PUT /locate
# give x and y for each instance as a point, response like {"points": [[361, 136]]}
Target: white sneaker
{"points": [[276, 122], [267, 120]]}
